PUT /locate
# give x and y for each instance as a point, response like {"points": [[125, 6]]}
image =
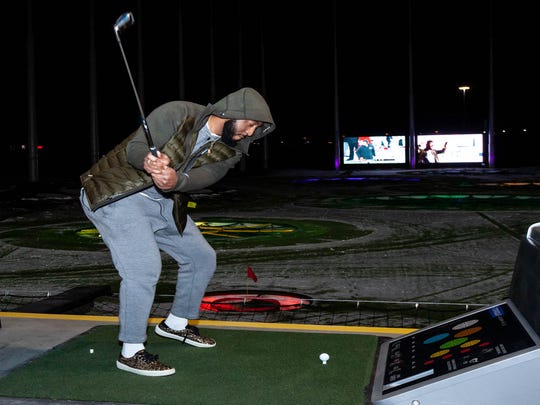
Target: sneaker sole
{"points": [[146, 373], [161, 332]]}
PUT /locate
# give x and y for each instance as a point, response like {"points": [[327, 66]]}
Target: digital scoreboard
{"points": [[488, 356]]}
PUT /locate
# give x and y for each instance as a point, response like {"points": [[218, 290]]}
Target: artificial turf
{"points": [[245, 367]]}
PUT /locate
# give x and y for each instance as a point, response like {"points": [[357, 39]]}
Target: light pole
{"points": [[464, 89]]}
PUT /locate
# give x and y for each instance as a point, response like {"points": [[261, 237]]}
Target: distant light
{"points": [[39, 147], [464, 88], [524, 129]]}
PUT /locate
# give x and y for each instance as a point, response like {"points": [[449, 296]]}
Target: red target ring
{"points": [[245, 305], [262, 301]]}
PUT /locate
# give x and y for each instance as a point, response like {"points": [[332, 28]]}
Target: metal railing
{"points": [[367, 313]]}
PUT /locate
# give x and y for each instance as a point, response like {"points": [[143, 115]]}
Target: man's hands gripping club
{"points": [[164, 177]]}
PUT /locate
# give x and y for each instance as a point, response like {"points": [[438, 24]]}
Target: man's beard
{"points": [[229, 130]]}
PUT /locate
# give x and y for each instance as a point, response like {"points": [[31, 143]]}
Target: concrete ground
{"points": [[462, 251]]}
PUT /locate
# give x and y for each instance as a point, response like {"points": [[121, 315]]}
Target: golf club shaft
{"points": [[123, 21]]}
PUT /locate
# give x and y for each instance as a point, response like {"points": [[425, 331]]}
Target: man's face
{"points": [[236, 130]]}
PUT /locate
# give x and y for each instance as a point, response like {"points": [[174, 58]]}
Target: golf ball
{"points": [[324, 357]]}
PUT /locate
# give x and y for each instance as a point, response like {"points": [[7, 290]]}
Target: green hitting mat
{"points": [[245, 367]]}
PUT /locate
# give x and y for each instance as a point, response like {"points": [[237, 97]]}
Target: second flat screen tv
{"points": [[450, 149]]}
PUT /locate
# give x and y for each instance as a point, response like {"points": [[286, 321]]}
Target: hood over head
{"points": [[246, 104]]}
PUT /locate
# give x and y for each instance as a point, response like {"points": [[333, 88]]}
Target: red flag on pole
{"points": [[251, 274]]}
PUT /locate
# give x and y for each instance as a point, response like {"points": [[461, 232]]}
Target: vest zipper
{"points": [[207, 147]]}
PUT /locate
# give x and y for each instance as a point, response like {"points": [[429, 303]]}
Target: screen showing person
{"points": [[374, 149], [450, 148]]}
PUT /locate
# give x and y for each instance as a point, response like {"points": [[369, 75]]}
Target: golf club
{"points": [[123, 22]]}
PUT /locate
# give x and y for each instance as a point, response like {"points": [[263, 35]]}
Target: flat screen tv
{"points": [[450, 149], [374, 150]]}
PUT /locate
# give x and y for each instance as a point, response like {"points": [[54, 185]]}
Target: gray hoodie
{"points": [[174, 127]]}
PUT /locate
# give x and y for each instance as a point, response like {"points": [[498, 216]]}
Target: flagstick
{"points": [[250, 274]]}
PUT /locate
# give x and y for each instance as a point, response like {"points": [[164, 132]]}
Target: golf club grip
{"points": [[151, 146]]}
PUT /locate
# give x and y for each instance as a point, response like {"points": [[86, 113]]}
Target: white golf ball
{"points": [[324, 357], [91, 351]]}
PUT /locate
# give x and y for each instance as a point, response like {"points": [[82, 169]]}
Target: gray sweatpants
{"points": [[135, 229]]}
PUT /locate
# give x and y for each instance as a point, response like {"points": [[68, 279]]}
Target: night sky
{"points": [[202, 50]]}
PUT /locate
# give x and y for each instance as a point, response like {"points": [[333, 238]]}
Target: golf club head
{"points": [[124, 21]]}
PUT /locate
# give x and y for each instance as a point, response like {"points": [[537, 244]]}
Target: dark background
{"points": [[320, 86]]}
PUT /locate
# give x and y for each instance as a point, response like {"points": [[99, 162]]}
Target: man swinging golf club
{"points": [[136, 198]]}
